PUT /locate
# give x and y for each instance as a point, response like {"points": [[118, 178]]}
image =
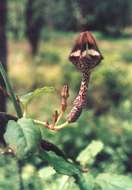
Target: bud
{"points": [[63, 105], [55, 117], [65, 92], [85, 54], [64, 97]]}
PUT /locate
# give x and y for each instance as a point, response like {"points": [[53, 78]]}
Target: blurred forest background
{"points": [[35, 41]]}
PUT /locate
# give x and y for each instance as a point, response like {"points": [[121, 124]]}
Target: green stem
{"points": [[58, 127], [40, 122], [55, 128], [59, 117], [10, 90]]}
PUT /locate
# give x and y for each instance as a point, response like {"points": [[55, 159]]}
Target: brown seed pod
{"points": [[85, 55]]}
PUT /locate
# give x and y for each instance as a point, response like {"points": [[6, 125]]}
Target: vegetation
{"points": [[44, 151], [107, 121]]}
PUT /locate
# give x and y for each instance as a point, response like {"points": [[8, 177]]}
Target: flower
{"points": [[85, 54]]}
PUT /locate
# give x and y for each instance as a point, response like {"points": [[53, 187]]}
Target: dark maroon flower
{"points": [[85, 55]]}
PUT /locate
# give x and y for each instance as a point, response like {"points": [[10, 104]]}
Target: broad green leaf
{"points": [[59, 164], [27, 98], [108, 181], [66, 167], [22, 136], [89, 153]]}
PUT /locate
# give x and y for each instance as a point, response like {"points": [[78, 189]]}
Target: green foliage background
{"points": [[108, 115]]}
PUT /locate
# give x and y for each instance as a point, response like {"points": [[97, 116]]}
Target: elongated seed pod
{"points": [[85, 55]]}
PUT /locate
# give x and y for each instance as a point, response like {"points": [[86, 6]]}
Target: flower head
{"points": [[85, 54]]}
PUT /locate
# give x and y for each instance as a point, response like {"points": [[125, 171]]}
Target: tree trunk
{"points": [[3, 60], [34, 24], [3, 50]]}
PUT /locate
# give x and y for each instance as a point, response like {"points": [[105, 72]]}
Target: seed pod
{"points": [[85, 55]]}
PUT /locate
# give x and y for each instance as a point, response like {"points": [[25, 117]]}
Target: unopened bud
{"points": [[65, 92], [55, 117], [63, 105], [64, 97]]}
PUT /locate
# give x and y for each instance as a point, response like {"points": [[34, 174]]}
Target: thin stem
{"points": [[59, 117], [6, 117], [40, 122], [10, 90], [55, 128]]}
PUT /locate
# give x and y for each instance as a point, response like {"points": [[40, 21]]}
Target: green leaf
{"points": [[27, 98], [89, 153], [66, 167], [59, 164], [108, 181], [22, 136]]}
